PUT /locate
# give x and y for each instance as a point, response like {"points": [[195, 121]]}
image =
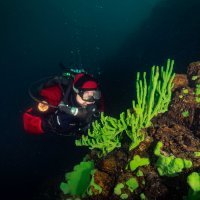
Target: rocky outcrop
{"points": [[179, 131]]}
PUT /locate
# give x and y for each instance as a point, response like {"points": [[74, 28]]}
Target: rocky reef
{"points": [[162, 164]]}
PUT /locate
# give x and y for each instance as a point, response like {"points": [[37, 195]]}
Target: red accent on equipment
{"points": [[32, 124], [88, 84], [77, 77], [52, 95]]}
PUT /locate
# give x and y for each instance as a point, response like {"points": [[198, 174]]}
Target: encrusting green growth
{"points": [[137, 162], [124, 196], [139, 173], [142, 196], [194, 78], [152, 99], [197, 154], [185, 113], [197, 93], [169, 165], [132, 184], [78, 180], [105, 135], [193, 181], [185, 91], [117, 189]]}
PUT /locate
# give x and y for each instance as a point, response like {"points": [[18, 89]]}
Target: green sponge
{"points": [[169, 165], [138, 161], [193, 181], [78, 180]]}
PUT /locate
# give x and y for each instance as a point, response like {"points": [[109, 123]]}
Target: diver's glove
{"points": [[67, 109], [92, 108]]}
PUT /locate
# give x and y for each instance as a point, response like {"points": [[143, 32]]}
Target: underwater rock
{"points": [[154, 188], [114, 162], [143, 147], [183, 106], [193, 73], [178, 130], [177, 140], [196, 123], [105, 181], [180, 80]]}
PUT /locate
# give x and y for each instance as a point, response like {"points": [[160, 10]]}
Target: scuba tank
{"points": [[70, 71], [73, 72]]}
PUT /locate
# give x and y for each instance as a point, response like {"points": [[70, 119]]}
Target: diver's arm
{"points": [[78, 112]]}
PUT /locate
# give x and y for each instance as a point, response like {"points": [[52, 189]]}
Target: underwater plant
{"points": [[152, 99], [104, 136]]}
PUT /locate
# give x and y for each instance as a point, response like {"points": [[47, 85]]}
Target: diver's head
{"points": [[87, 89]]}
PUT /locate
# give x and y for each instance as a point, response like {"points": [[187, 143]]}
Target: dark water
{"points": [[114, 38]]}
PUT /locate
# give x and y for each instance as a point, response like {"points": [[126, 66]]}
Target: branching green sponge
{"points": [[78, 180], [169, 165], [105, 135], [193, 181], [152, 99], [138, 161]]}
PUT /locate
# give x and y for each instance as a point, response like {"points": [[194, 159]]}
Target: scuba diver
{"points": [[65, 105]]}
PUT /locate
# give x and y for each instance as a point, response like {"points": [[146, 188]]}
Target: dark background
{"points": [[112, 39]]}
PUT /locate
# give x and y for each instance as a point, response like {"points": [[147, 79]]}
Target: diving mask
{"points": [[90, 95]]}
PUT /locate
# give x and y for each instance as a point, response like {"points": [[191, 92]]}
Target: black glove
{"points": [[93, 110], [59, 122], [67, 109], [81, 113]]}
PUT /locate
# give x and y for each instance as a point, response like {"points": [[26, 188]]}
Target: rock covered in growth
{"points": [[183, 106], [113, 163], [180, 80], [193, 73], [179, 131], [105, 181]]}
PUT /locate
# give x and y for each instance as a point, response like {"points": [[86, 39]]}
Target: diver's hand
{"points": [[92, 108], [67, 109]]}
